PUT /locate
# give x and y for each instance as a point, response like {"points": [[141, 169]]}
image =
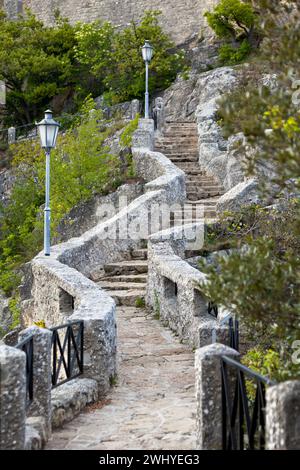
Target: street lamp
{"points": [[48, 130], [147, 52]]}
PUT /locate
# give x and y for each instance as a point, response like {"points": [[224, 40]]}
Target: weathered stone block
{"points": [[12, 398], [283, 416], [209, 395]]}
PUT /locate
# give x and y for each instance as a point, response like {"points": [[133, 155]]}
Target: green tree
{"points": [[114, 57], [37, 64], [236, 21], [259, 281], [81, 166]]}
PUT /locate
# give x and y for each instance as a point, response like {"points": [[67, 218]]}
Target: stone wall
{"points": [[174, 288], [180, 19]]}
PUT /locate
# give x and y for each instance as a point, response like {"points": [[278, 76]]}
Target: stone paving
{"points": [[152, 405]]}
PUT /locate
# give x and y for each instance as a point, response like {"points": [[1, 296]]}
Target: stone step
{"points": [[180, 139], [186, 159], [134, 278], [191, 169], [203, 201], [202, 179], [127, 298], [178, 151], [209, 186], [181, 125], [127, 267], [140, 254], [194, 216], [199, 195], [110, 285]]}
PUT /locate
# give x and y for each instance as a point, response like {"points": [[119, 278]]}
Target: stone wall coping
{"points": [[91, 301], [175, 268]]}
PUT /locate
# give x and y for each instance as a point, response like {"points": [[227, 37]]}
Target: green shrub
{"points": [[233, 55], [81, 166], [126, 136], [114, 57], [260, 281], [236, 21]]}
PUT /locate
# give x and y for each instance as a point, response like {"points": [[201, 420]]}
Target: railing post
{"points": [[159, 112], [209, 394], [143, 137], [41, 404], [12, 398], [282, 416], [135, 108], [11, 135]]}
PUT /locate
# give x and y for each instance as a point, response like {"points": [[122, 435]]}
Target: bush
{"points": [[236, 21], [37, 64], [114, 57], [59, 66], [259, 280], [233, 55], [81, 166]]}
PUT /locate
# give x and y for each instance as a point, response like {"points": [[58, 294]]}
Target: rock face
{"points": [[180, 19]]}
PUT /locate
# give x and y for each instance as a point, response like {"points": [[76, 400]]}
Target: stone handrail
{"points": [[174, 289]]}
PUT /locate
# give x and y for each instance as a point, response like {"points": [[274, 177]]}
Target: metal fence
{"points": [[27, 347], [67, 352], [243, 406]]}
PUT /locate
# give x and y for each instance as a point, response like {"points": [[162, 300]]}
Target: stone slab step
{"points": [[190, 217], [170, 139], [141, 254], [127, 267], [197, 196], [107, 285], [130, 278], [205, 186], [127, 298], [186, 159], [202, 202], [202, 179]]}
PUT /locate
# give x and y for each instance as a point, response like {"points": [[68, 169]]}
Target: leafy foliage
{"points": [[81, 166], [37, 63], [259, 280], [236, 21], [114, 57], [59, 66]]}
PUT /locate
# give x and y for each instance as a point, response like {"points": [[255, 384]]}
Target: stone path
{"points": [[152, 405]]}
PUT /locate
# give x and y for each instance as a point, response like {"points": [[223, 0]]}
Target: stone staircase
{"points": [[126, 280], [180, 144]]}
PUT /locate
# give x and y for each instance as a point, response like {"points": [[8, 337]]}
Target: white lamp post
{"points": [[147, 52], [48, 130]]}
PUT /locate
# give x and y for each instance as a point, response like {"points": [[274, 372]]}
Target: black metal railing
{"points": [[243, 406], [212, 309], [67, 352], [27, 347], [234, 334]]}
